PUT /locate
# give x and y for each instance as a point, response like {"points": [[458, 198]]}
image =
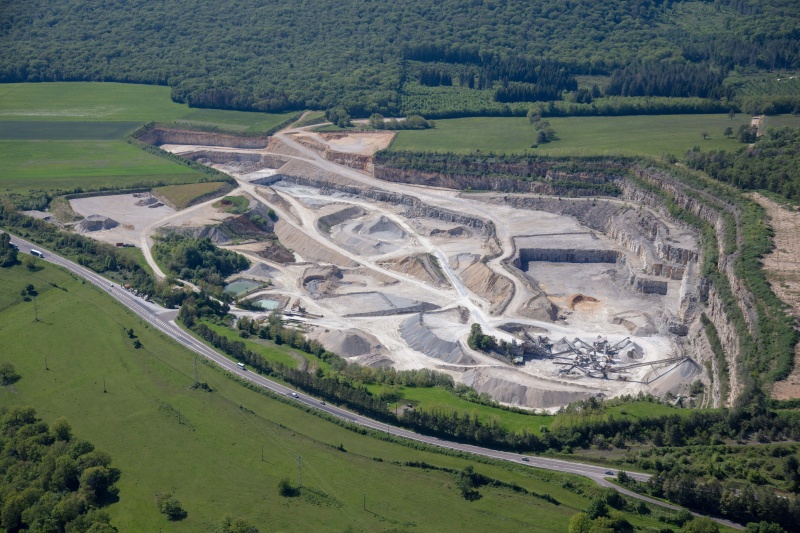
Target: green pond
{"points": [[242, 286]]}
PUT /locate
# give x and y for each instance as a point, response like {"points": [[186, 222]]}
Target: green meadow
{"points": [[65, 135], [206, 447], [65, 165], [650, 135], [93, 101]]}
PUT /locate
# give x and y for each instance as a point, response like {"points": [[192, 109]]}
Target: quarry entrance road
{"points": [[161, 319]]}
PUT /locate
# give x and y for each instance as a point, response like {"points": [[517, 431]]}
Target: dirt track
{"points": [[783, 272]]}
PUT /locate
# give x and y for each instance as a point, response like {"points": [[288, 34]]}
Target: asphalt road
{"points": [[161, 319]]}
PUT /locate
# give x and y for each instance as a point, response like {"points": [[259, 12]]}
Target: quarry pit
{"points": [[595, 296]]}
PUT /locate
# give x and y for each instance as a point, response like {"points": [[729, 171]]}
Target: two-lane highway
{"points": [[160, 318]]}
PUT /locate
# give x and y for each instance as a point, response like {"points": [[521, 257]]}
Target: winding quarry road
{"points": [[163, 320]]}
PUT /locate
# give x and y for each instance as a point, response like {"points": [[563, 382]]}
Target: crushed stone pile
{"points": [[95, 223], [420, 338]]}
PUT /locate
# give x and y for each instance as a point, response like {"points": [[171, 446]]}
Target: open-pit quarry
{"points": [[594, 296]]}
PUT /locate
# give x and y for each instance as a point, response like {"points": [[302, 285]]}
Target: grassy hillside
{"points": [[315, 54], [205, 447]]}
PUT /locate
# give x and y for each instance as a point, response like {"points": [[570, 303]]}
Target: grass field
{"points": [[272, 353], [68, 135], [654, 136], [206, 447], [182, 195], [48, 165], [781, 121], [91, 101], [29, 130]]}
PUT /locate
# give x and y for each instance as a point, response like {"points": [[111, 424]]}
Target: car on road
{"points": [[525, 459], [294, 395], [37, 253], [322, 403], [609, 473], [241, 365]]}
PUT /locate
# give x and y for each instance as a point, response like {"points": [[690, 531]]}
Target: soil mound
{"points": [[420, 266], [458, 231], [242, 227], [260, 270], [277, 253], [575, 299], [487, 283], [95, 223]]}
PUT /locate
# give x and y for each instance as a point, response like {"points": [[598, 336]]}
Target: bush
{"points": [[286, 489], [170, 506]]}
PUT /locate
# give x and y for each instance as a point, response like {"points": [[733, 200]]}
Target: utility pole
{"points": [[262, 453], [35, 310], [365, 501], [45, 363], [300, 471], [196, 381], [104, 386]]}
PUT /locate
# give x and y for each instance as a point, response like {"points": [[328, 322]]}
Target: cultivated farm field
{"points": [[115, 102]]}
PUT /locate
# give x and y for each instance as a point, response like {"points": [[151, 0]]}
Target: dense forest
{"points": [[51, 480], [272, 56]]}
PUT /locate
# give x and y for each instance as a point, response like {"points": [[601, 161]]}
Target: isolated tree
{"points": [[728, 132], [731, 114], [170, 506], [8, 374], [31, 263], [286, 489], [704, 135]]}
